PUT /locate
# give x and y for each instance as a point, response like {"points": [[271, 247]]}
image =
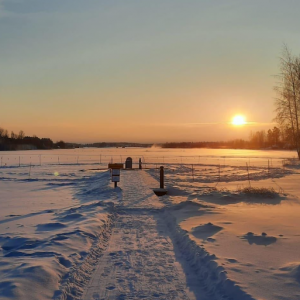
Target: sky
{"points": [[142, 70]]}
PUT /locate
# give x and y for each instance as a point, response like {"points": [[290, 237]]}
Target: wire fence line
{"points": [[8, 160], [219, 169], [182, 169]]}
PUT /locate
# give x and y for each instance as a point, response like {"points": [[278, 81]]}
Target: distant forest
{"points": [[272, 139], [118, 145], [19, 141], [13, 141]]}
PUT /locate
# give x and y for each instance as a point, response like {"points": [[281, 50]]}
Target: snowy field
{"points": [[228, 228]]}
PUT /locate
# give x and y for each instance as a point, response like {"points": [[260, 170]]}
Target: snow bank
{"points": [[210, 275], [53, 228]]}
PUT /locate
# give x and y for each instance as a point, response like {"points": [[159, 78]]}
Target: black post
{"points": [[116, 184], [140, 163], [161, 177]]}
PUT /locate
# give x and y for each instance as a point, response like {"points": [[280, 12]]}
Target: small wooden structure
{"points": [[115, 172]]}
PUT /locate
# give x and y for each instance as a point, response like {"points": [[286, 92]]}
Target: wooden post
{"points": [[1, 161], [19, 161], [40, 160], [268, 168], [161, 177], [140, 163], [219, 172]]}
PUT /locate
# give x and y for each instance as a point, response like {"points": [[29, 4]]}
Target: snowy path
{"points": [[140, 261]]}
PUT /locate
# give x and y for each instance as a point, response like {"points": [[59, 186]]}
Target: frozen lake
{"points": [[154, 155]]}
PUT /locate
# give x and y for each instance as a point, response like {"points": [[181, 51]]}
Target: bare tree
{"points": [[288, 91], [21, 135], [13, 136]]}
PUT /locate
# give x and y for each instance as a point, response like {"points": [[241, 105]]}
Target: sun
{"points": [[238, 120]]}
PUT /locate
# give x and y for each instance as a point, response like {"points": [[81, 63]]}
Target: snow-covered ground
{"points": [[66, 233]]}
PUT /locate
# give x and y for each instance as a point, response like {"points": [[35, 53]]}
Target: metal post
{"points": [[161, 177]]}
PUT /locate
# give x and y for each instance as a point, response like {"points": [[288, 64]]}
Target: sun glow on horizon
{"points": [[238, 120]]}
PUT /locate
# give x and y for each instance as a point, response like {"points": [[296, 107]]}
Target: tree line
{"points": [[19, 141], [275, 138]]}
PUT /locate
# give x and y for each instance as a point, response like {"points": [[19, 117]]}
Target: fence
{"points": [[13, 160]]}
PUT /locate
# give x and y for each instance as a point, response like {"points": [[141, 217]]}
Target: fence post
{"points": [[248, 174], [193, 172], [162, 184]]}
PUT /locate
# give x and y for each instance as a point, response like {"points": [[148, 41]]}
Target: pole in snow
{"points": [[161, 171], [161, 191]]}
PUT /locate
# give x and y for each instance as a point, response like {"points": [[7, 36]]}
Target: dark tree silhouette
{"points": [[288, 91]]}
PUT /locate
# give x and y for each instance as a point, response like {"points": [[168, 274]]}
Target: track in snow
{"points": [[146, 259], [140, 261]]}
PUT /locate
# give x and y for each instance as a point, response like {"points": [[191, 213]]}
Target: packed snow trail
{"points": [[140, 260]]}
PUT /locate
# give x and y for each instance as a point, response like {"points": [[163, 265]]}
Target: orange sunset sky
{"points": [[143, 71]]}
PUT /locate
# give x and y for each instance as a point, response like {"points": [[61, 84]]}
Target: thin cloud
{"points": [[199, 124], [260, 124]]}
